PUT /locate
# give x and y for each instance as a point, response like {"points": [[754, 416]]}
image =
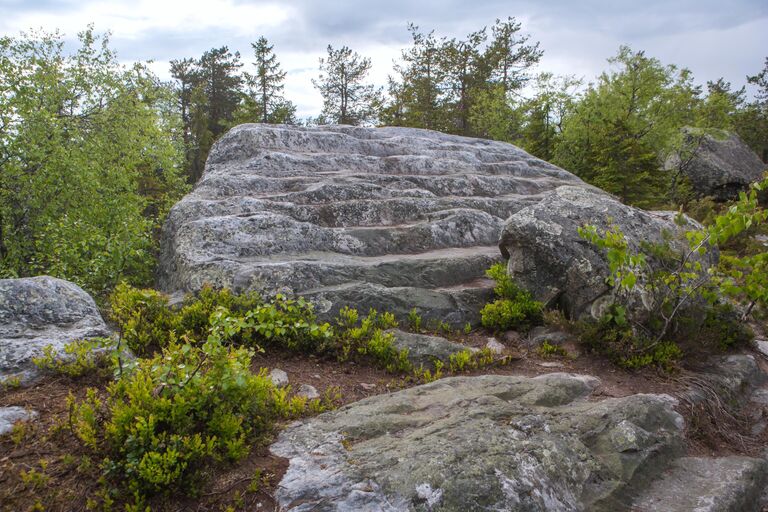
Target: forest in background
{"points": [[94, 153]]}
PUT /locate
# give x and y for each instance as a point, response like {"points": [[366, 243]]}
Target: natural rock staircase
{"points": [[391, 218]]}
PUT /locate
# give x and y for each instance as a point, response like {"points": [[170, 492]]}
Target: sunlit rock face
{"points": [[390, 218]]}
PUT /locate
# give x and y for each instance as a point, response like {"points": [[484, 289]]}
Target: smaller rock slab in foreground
{"points": [[479, 443]]}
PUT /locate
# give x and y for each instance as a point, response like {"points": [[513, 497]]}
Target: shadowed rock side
{"points": [[389, 218], [40, 311], [548, 257], [480, 443], [720, 166]]}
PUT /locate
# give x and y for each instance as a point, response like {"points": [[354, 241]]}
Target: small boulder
{"points": [[308, 391], [278, 377], [762, 347], [547, 256], [551, 335], [512, 337], [494, 346], [9, 416], [424, 349], [717, 164], [40, 311]]}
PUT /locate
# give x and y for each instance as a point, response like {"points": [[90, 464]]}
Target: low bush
{"points": [[79, 357], [143, 318], [366, 336], [147, 322], [167, 417], [514, 307], [613, 336], [682, 296]]}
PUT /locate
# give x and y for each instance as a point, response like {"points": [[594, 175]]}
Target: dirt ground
{"points": [[41, 463]]}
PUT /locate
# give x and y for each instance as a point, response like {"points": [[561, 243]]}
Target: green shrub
{"points": [[505, 314], [169, 416], [79, 357], [147, 323], [414, 319], [143, 317], [723, 328], [514, 307], [196, 309], [366, 337], [287, 322], [505, 288], [460, 361], [547, 349], [613, 337], [677, 288]]}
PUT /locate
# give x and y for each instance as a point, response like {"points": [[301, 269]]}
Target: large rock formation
{"points": [[480, 443], [40, 311], [719, 165], [389, 218], [548, 257]]}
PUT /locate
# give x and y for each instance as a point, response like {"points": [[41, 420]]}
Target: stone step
{"points": [[268, 233], [454, 306], [314, 269], [700, 484], [364, 212], [352, 186], [432, 269]]}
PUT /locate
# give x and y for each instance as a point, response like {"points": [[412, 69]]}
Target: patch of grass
{"points": [[548, 349], [414, 320]]}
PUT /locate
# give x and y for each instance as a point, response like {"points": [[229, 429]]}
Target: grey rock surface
{"points": [[719, 165], [495, 346], [762, 347], [40, 311], [308, 391], [390, 218], [551, 335], [278, 377], [547, 256], [479, 443], [424, 349], [726, 484], [10, 415], [733, 378]]}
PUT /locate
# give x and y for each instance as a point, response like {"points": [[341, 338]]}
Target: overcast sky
{"points": [[713, 38]]}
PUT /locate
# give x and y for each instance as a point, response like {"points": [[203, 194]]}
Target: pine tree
{"points": [[417, 95], [511, 55], [209, 92], [751, 121], [466, 72], [346, 98]]}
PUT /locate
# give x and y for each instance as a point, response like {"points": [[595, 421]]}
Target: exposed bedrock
{"points": [[390, 218]]}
